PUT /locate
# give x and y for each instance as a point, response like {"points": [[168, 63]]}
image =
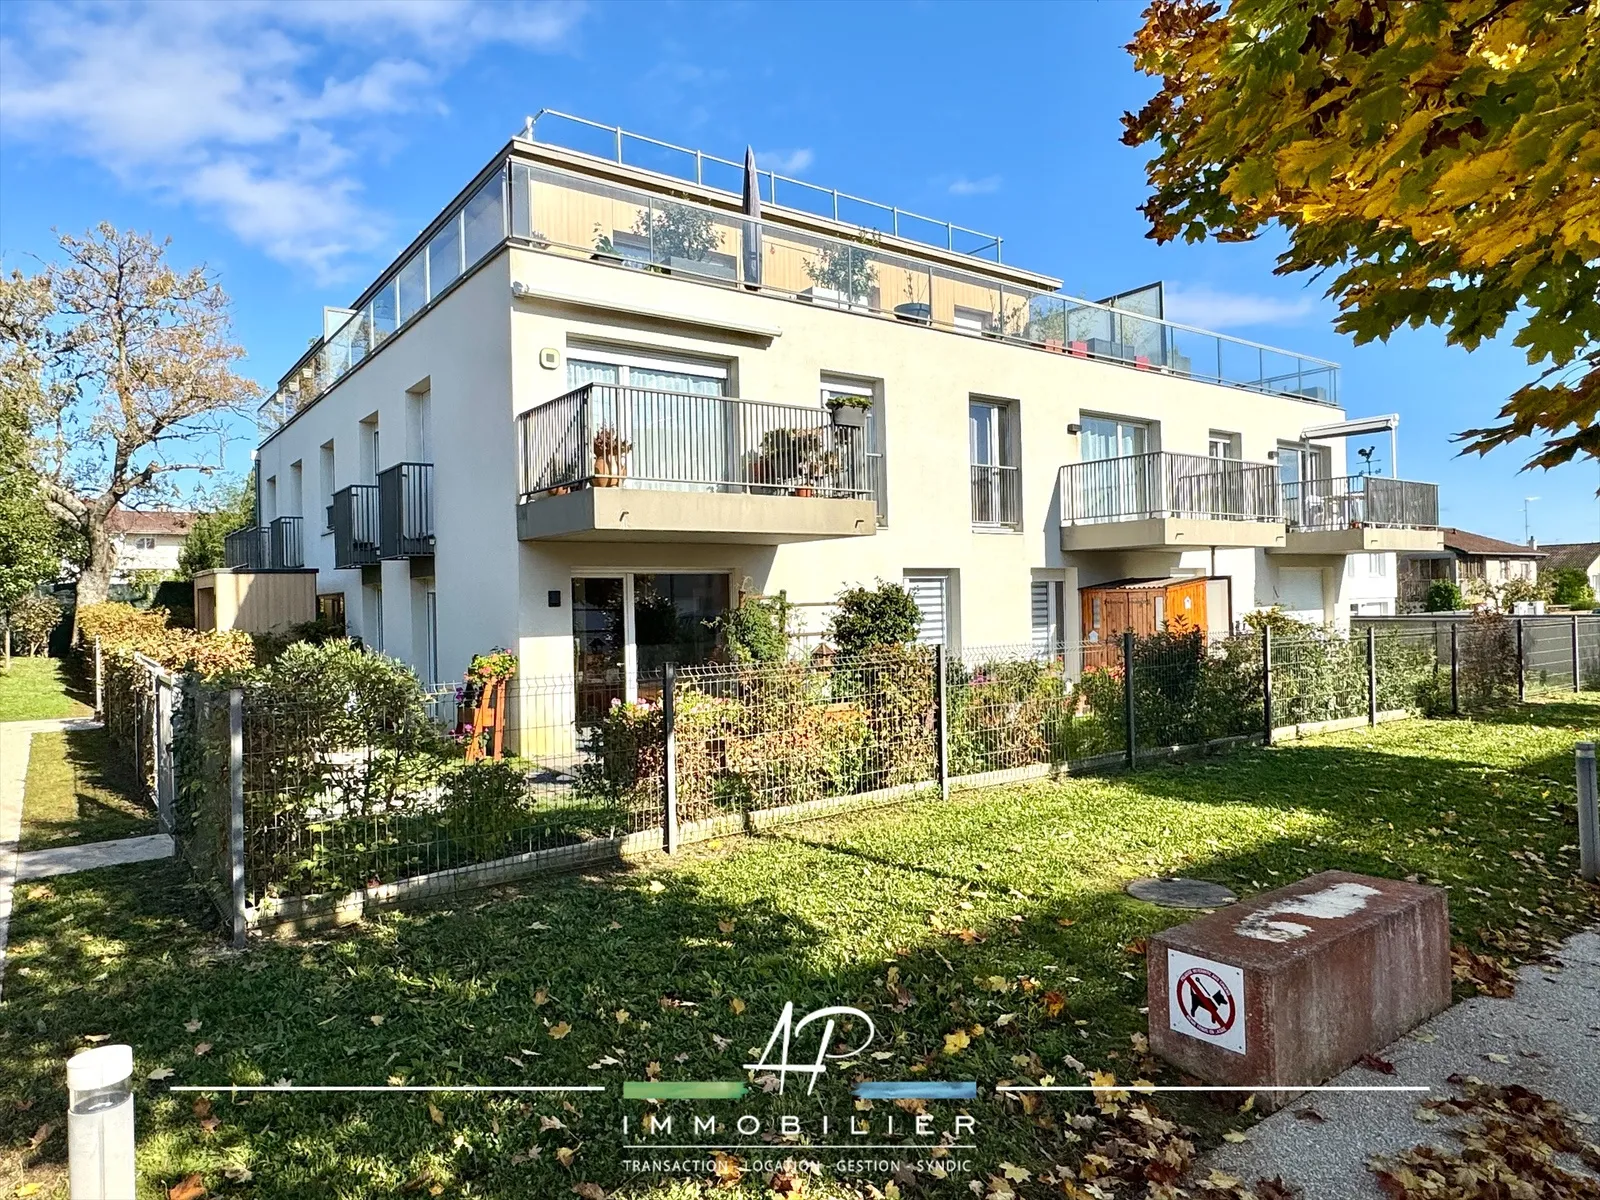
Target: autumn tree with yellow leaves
{"points": [[1441, 160]]}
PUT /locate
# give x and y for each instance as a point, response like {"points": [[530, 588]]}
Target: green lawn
{"points": [[38, 688], [75, 793], [937, 919]]}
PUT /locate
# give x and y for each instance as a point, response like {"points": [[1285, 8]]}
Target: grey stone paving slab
{"points": [[1548, 1034], [64, 860], [1181, 893]]}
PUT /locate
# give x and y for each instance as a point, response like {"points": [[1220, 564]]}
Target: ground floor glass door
{"points": [[627, 627]]}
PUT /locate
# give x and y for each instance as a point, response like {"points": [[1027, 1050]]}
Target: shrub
{"points": [[1488, 670], [483, 807], [867, 618], [123, 629], [756, 629], [1444, 596], [1516, 591], [1008, 714], [30, 623], [1569, 586]]}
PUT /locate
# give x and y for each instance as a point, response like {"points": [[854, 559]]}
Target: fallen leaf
{"points": [[40, 1136], [160, 1073], [1235, 1135], [589, 1191], [376, 1018], [725, 926], [560, 1030], [435, 1114], [540, 998], [657, 886], [202, 1048], [1309, 1114], [192, 1026], [955, 1043], [565, 1155], [1014, 1173], [237, 1173], [737, 1005], [1373, 1063], [190, 1187], [1498, 1058]]}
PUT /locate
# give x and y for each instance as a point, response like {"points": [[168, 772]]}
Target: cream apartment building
{"points": [[590, 404]]}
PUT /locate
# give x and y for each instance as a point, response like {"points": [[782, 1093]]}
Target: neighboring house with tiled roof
{"points": [[147, 540], [1478, 565], [1585, 556]]}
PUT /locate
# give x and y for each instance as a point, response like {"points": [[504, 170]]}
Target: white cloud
{"points": [[785, 162], [962, 186], [231, 107], [1211, 308]]}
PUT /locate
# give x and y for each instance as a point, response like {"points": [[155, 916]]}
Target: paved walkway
{"points": [[15, 739], [1546, 1038]]}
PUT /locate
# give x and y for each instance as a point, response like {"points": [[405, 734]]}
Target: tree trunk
{"points": [[94, 582], [8, 647]]}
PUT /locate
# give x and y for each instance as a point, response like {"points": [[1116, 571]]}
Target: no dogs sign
{"points": [[1205, 1000]]}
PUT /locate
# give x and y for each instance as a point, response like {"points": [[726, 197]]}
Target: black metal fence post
{"points": [[1455, 668], [941, 718], [236, 812], [669, 758], [1372, 675], [1266, 684], [1522, 667], [1127, 698]]}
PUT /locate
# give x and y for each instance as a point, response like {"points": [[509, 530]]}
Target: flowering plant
{"points": [[499, 663]]}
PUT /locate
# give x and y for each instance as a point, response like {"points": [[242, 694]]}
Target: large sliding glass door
{"points": [[628, 626], [654, 404]]}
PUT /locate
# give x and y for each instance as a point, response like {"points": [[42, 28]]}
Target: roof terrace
{"points": [[682, 215]]}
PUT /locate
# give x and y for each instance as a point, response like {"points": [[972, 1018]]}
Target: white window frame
{"points": [[845, 385], [665, 361]]}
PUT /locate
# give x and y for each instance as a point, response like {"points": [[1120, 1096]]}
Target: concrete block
{"points": [[1288, 988]]}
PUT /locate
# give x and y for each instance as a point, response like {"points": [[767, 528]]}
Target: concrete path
{"points": [[1548, 1035]]}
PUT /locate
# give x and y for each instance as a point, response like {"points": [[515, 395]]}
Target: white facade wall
{"points": [[477, 356], [162, 555], [1372, 585]]}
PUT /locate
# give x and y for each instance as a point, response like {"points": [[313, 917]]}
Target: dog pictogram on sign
{"points": [[1205, 1000]]}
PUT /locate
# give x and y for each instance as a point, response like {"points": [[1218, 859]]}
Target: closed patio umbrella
{"points": [[752, 210]]}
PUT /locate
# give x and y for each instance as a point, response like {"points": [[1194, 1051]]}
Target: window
{"points": [[626, 627], [144, 543], [296, 484], [269, 501], [970, 320], [1223, 445], [326, 490], [996, 486], [330, 608], [1044, 618], [836, 386], [931, 593], [679, 441], [430, 619], [1112, 437]]}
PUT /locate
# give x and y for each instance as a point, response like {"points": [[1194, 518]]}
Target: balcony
{"points": [[609, 463], [355, 526], [272, 547], [1361, 513], [405, 511], [1166, 501]]}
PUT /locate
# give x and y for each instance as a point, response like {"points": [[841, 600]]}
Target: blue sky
{"points": [[297, 148]]}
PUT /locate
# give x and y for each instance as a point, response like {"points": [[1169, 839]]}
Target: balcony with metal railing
{"points": [[275, 546], [604, 462], [1350, 514], [356, 526], [555, 204], [405, 510], [1165, 500]]}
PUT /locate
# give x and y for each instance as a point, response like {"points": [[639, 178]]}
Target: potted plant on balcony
{"points": [[815, 466], [610, 457], [604, 251], [850, 412]]}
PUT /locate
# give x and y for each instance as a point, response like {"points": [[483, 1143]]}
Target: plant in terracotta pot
{"points": [[815, 467], [481, 703], [610, 457]]}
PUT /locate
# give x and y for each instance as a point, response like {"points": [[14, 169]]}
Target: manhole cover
{"points": [[1181, 893]]}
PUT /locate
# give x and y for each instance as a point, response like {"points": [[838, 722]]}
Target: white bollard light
{"points": [[100, 1123]]}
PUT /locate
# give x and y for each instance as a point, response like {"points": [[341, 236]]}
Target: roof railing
{"points": [[901, 222]]}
